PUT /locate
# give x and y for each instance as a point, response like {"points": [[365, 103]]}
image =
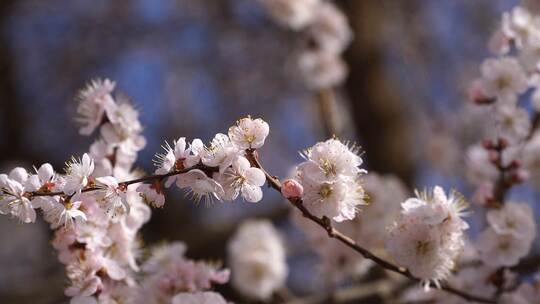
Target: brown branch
{"points": [[159, 177], [326, 224], [326, 101]]}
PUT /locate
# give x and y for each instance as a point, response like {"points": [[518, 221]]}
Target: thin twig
{"points": [[159, 177], [326, 101], [325, 223]]}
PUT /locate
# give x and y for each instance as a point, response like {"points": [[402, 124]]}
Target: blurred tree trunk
{"points": [[10, 121], [378, 113]]}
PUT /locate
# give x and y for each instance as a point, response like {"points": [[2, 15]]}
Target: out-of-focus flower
{"points": [[321, 69], [257, 259], [503, 79], [94, 100], [295, 14], [509, 236], [428, 236]]}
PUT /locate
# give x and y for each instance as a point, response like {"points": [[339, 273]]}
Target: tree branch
{"points": [[159, 177], [326, 224]]}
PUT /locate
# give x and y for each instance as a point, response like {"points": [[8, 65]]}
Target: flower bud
{"points": [[291, 189]]}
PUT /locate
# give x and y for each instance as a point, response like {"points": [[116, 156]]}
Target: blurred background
{"points": [[192, 67]]}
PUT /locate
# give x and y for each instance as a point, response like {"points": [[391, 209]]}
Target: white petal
{"points": [[45, 172], [255, 177], [108, 181], [241, 164], [19, 174], [251, 193]]}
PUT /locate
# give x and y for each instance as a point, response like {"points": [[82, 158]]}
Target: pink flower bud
{"points": [[291, 189], [488, 144], [477, 93]]}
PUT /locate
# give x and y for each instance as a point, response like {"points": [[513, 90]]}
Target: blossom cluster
{"points": [[508, 154], [509, 235], [331, 180], [327, 32], [96, 214], [505, 80], [428, 236], [225, 172], [169, 277]]}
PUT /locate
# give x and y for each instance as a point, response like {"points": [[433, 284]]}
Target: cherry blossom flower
{"points": [[221, 153], [249, 133], [329, 28], [321, 69], [330, 178], [78, 173], [94, 100], [43, 179], [200, 186], [428, 236], [12, 198], [520, 25], [504, 78], [65, 213], [513, 218], [257, 259], [112, 196], [242, 179], [509, 236], [514, 123], [501, 249], [168, 272], [152, 194], [479, 168]]}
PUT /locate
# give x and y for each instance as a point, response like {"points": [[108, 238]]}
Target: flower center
{"points": [[325, 191], [422, 247], [328, 167]]}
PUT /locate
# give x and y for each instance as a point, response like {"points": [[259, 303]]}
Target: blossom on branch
{"points": [[428, 235]]}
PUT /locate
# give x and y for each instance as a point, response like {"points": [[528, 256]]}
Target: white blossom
{"points": [[249, 133], [513, 122], [220, 153], [321, 69], [242, 179], [330, 178], [520, 25], [78, 173], [503, 79], [257, 259], [479, 168], [509, 236], [501, 249], [200, 186], [428, 236], [152, 194], [64, 213], [94, 100], [112, 196], [515, 219], [329, 28], [13, 199]]}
